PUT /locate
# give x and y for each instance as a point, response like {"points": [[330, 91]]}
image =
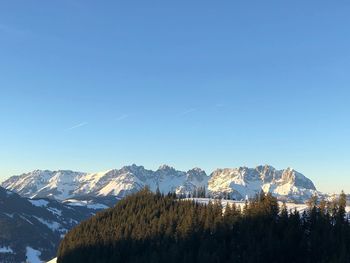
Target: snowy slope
{"points": [[63, 185], [32, 229], [241, 204], [290, 206], [239, 183], [44, 184]]}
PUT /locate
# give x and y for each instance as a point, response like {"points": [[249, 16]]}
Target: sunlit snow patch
{"points": [[54, 226], [39, 203], [33, 255], [87, 204], [6, 250]]}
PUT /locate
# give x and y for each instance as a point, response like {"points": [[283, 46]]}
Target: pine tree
{"points": [[147, 227]]}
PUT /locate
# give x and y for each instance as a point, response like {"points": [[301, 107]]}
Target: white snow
{"points": [[39, 203], [63, 185], [55, 211], [223, 202], [54, 260], [290, 206], [54, 226], [37, 178], [241, 204], [26, 219], [97, 206], [240, 182], [74, 202], [6, 250], [118, 186], [33, 255], [9, 215], [93, 181], [72, 221], [243, 181], [38, 182]]}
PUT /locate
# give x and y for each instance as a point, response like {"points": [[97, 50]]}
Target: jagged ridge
{"points": [[240, 182]]}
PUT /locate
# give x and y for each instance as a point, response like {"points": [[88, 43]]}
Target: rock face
{"points": [[34, 226], [245, 182], [239, 183], [44, 183], [61, 185]]}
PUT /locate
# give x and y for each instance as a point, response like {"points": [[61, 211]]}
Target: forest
{"points": [[153, 227]]}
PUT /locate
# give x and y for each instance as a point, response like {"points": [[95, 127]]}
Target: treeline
{"points": [[154, 228]]}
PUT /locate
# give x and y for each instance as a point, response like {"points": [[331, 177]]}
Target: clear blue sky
{"points": [[88, 86]]}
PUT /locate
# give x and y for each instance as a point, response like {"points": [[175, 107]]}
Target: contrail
{"points": [[77, 126], [188, 111], [122, 117]]}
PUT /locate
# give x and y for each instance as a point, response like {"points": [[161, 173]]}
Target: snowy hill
{"points": [[240, 204], [31, 229], [239, 183]]}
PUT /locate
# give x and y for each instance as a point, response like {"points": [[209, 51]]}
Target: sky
{"points": [[91, 85]]}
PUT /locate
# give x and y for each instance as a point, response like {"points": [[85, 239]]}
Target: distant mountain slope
{"points": [[245, 182], [238, 183], [61, 185], [44, 183], [33, 228]]}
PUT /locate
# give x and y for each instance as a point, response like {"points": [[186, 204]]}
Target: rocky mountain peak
{"points": [[241, 182], [166, 168]]}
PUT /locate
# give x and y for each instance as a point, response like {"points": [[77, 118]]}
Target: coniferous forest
{"points": [[147, 227]]}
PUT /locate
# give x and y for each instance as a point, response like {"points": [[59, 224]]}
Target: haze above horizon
{"points": [[88, 87]]}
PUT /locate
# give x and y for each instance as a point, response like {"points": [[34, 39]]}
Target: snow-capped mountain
{"points": [[44, 183], [61, 185], [31, 229], [245, 182], [239, 183]]}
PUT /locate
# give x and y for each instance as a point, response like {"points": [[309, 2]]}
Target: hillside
{"points": [[32, 228], [147, 227]]}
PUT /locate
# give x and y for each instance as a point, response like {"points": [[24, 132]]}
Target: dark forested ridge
{"points": [[37, 224], [147, 227]]}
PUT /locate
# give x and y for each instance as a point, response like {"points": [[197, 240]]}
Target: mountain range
{"points": [[39, 207], [239, 183]]}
